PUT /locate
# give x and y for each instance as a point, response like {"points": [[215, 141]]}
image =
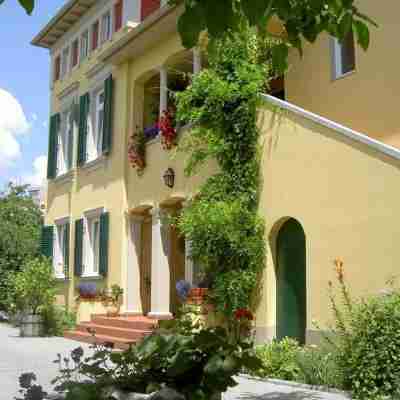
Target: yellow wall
{"points": [[344, 194], [366, 100]]}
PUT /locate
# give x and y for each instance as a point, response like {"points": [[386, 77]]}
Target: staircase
{"points": [[121, 332]]}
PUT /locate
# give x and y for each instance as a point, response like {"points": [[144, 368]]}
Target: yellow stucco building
{"points": [[329, 191]]}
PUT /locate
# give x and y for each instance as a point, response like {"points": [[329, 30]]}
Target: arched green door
{"points": [[291, 282]]}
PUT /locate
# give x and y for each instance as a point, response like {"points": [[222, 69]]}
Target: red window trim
{"points": [[148, 7], [118, 12], [95, 35]]}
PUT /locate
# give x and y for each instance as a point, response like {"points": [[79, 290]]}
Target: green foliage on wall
{"points": [[222, 222]]}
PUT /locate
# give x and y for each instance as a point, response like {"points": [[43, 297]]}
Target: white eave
{"points": [[65, 18]]}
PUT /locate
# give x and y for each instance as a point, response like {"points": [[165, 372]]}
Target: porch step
{"points": [[119, 343], [122, 331], [113, 331]]}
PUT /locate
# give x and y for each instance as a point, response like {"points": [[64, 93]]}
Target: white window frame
{"points": [[84, 45], [91, 243], [337, 62], [65, 140], [65, 62], [95, 137], [58, 246], [105, 35]]}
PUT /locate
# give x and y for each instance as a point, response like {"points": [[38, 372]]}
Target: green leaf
{"points": [[280, 55], [191, 23], [220, 16], [345, 26], [28, 5], [256, 10], [362, 32]]}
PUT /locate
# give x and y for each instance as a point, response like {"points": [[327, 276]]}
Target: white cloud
{"points": [[34, 116], [39, 172], [13, 122]]}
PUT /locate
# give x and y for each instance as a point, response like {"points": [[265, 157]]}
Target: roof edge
{"points": [[349, 133]]}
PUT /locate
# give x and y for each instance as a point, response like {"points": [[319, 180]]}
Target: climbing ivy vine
{"points": [[222, 221]]}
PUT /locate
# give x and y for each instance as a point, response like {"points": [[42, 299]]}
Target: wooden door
{"points": [[291, 282], [145, 268]]}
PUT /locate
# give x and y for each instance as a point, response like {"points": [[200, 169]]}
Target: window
{"points": [[57, 68], [343, 55], [65, 142], [92, 246], [60, 258], [106, 27], [84, 45], [95, 136], [75, 53], [64, 62], [118, 16], [95, 35], [194, 271]]}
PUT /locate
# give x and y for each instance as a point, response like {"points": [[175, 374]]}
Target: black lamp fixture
{"points": [[169, 178]]}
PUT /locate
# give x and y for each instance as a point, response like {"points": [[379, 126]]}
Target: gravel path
{"points": [[19, 355]]}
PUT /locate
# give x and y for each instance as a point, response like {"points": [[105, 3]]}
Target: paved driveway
{"points": [[19, 355]]}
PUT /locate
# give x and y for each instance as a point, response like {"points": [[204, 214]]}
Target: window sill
{"points": [[61, 278], [342, 76], [88, 277], [93, 165], [64, 178]]}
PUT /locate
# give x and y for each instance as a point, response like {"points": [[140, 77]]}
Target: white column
{"points": [[133, 278], [196, 60], [160, 272], [163, 90]]}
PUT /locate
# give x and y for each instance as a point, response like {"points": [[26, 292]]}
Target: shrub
{"points": [[34, 286], [279, 360], [367, 341], [56, 320]]}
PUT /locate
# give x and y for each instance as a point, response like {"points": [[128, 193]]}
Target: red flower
{"points": [[167, 129], [244, 313]]}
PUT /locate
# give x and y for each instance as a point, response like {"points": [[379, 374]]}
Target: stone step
{"points": [[126, 322], [110, 330], [119, 343]]}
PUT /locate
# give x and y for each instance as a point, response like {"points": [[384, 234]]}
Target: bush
{"points": [[279, 360], [56, 320], [367, 341], [34, 286]]}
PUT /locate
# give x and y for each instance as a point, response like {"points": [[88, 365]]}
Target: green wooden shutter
{"points": [[70, 139], [53, 146], [78, 268], [66, 250], [108, 115], [84, 107], [104, 234], [46, 241]]}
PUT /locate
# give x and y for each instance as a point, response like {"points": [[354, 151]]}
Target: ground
{"points": [[18, 355]]}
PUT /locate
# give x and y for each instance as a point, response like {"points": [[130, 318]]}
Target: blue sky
{"points": [[24, 82]]}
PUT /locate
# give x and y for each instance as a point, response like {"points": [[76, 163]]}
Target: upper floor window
{"points": [[65, 142], [106, 27], [84, 45], [75, 53], [95, 35], [57, 68], [118, 16], [64, 62], [343, 56], [95, 136]]}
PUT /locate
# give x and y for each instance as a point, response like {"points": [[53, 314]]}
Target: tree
{"points": [[20, 229], [28, 5], [302, 20]]}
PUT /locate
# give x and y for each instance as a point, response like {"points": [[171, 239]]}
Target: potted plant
{"points": [[167, 129], [87, 291], [34, 291], [113, 300]]}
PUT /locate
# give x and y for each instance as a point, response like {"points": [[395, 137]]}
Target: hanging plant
{"points": [[167, 129], [137, 150]]}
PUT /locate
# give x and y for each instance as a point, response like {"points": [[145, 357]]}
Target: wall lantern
{"points": [[169, 178]]}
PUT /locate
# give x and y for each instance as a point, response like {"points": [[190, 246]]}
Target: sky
{"points": [[24, 93]]}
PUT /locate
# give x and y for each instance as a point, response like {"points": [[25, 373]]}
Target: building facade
{"points": [[329, 191]]}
